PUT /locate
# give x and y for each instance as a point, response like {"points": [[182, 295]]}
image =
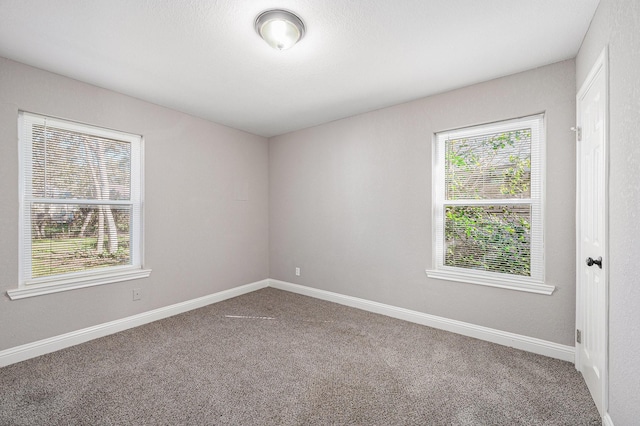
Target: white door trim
{"points": [[601, 65]]}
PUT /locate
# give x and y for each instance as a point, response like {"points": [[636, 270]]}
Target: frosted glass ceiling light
{"points": [[281, 29]]}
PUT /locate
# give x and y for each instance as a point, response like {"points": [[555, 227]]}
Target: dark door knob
{"points": [[591, 262]]}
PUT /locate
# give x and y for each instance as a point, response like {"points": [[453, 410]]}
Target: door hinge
{"points": [[578, 336], [578, 131]]}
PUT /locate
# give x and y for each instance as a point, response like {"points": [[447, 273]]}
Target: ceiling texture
{"points": [[203, 57]]}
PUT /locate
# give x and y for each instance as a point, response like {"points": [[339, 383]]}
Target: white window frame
{"points": [[535, 283], [28, 286]]}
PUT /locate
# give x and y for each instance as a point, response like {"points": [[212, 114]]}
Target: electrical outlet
{"points": [[137, 294], [297, 272]]}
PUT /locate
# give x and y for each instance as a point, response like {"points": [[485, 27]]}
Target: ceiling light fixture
{"points": [[281, 29]]}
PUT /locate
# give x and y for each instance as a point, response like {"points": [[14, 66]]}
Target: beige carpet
{"points": [[277, 358]]}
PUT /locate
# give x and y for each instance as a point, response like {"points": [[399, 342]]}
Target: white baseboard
{"points": [[606, 420], [45, 346], [530, 344]]}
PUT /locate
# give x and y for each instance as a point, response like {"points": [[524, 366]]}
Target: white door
{"points": [[592, 269]]}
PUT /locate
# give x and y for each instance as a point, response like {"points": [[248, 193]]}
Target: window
{"points": [[81, 206], [488, 205]]}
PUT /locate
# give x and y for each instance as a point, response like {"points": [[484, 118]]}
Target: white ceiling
{"points": [[203, 57]]}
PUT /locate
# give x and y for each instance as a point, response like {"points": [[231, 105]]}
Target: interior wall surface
{"points": [[205, 208], [615, 25], [351, 204]]}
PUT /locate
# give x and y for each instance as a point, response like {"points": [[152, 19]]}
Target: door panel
{"points": [[592, 292]]}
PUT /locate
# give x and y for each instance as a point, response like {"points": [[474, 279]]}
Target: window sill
{"points": [[508, 283], [72, 283]]}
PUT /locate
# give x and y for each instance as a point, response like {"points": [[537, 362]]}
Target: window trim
{"points": [[124, 273], [535, 283], [81, 279]]}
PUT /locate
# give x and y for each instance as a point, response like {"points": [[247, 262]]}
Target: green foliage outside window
{"points": [[483, 235]]}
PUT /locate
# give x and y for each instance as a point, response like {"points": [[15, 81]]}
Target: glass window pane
{"points": [[71, 238], [68, 164], [491, 166], [489, 238]]}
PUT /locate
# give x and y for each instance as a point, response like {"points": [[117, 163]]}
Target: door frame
{"points": [[600, 65]]}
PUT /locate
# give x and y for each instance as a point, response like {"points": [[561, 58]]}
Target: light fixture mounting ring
{"points": [[264, 28]]}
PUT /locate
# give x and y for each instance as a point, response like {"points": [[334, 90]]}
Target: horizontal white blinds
{"points": [[488, 198], [488, 166], [489, 238], [68, 164], [80, 198], [65, 238]]}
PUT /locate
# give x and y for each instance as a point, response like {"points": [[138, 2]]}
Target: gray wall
{"points": [[616, 24], [350, 204], [199, 238]]}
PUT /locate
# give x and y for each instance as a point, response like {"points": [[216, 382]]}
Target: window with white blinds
{"points": [[81, 205], [488, 204]]}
